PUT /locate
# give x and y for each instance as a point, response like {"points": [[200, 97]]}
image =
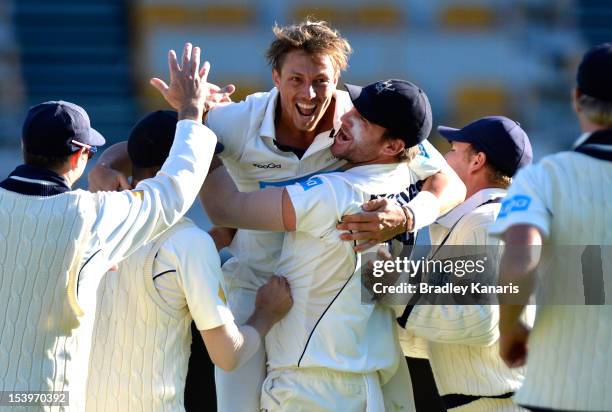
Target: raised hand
{"points": [[188, 89], [218, 96]]}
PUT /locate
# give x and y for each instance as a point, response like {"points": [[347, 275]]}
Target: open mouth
{"points": [[341, 136], [306, 109]]}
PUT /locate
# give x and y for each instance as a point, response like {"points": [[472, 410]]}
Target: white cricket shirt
{"points": [[568, 197], [462, 339], [328, 325], [247, 133]]}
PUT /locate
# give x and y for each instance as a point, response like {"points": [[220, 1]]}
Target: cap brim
{"points": [[452, 134], [95, 138], [353, 91]]}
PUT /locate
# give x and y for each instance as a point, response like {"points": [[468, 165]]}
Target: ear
{"points": [[478, 161], [276, 78], [392, 147], [575, 97], [76, 156]]}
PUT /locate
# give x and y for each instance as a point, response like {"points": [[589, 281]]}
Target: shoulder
{"points": [[343, 101], [252, 105], [189, 239], [479, 218], [337, 182]]}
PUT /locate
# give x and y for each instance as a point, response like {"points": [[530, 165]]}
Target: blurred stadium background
{"points": [[473, 57]]}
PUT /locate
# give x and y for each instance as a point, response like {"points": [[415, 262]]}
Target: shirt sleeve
{"points": [[198, 272], [231, 124], [316, 205], [428, 162], [526, 203], [127, 220]]}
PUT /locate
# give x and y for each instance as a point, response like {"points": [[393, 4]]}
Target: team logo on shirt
{"points": [[310, 183], [516, 203], [267, 166]]}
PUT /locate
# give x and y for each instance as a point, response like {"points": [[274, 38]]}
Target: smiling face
{"points": [[306, 83], [361, 142]]}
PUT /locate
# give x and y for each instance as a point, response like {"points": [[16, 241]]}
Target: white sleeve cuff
{"points": [[425, 208], [250, 345]]}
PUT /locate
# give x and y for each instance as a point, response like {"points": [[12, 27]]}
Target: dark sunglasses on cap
{"points": [[91, 150]]}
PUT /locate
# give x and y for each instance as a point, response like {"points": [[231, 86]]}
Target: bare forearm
{"points": [[230, 346], [226, 206]]}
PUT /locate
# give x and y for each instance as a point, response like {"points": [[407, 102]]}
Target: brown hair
{"points": [[45, 162], [314, 37], [405, 155]]}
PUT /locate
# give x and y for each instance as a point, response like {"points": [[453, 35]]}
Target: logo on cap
{"points": [[382, 86]]}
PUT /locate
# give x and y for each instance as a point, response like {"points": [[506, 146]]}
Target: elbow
{"points": [[228, 363], [216, 213], [447, 187]]}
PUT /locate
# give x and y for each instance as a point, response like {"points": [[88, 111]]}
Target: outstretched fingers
{"points": [[173, 65], [160, 85], [195, 62], [186, 56]]}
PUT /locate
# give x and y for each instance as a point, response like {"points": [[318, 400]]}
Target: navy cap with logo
{"points": [[151, 138], [52, 128], [593, 77], [505, 143], [398, 105]]}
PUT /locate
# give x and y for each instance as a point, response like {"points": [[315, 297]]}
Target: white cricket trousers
{"points": [[321, 390], [240, 389]]}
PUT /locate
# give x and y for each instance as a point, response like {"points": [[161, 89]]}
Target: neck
{"points": [[378, 161], [479, 184], [587, 126], [70, 180]]}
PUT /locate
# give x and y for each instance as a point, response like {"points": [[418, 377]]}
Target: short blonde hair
{"points": [[313, 37], [596, 110]]}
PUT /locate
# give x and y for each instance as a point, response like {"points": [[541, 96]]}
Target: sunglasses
{"points": [[91, 150]]}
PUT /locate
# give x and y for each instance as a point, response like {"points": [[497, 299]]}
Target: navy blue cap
{"points": [[505, 143], [151, 138], [50, 128], [593, 77], [398, 105]]}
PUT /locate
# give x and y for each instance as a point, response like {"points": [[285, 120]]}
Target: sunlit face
{"points": [[459, 157], [306, 84], [358, 140]]}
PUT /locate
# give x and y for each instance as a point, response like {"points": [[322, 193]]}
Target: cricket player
{"points": [[333, 352], [564, 200], [278, 138], [57, 243], [462, 340], [156, 293]]}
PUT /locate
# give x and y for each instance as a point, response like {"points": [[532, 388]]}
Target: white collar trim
{"points": [[470, 204]]}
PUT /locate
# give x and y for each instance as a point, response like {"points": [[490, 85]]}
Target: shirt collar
{"points": [[268, 128], [470, 204], [597, 144], [378, 169], [35, 181], [583, 137]]}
